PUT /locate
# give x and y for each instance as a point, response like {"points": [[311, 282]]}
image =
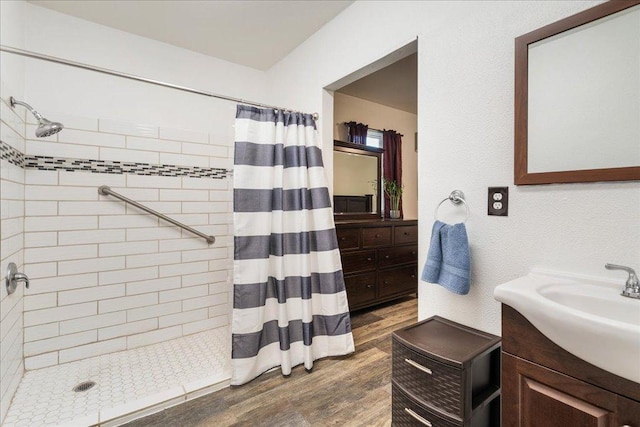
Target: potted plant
{"points": [[394, 191]]}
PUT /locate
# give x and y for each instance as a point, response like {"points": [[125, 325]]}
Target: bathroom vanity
{"points": [[379, 260]]}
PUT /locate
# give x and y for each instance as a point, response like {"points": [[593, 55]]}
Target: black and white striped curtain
{"points": [[289, 301]]}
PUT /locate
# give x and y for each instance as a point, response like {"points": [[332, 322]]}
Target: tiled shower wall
{"points": [[11, 250], [105, 276]]}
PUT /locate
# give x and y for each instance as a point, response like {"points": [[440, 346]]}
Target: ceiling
{"points": [[395, 86], [253, 33]]}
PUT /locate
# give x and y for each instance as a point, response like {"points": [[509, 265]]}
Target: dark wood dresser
{"points": [[379, 260], [445, 375]]}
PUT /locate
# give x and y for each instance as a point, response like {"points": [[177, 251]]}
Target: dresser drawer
{"points": [[361, 288], [374, 237], [399, 255], [431, 382], [348, 238], [398, 280], [405, 234], [354, 262], [407, 412]]}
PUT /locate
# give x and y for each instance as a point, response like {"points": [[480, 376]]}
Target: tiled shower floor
{"points": [[129, 384]]}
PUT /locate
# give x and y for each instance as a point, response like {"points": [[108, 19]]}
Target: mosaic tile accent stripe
{"points": [[11, 155], [107, 166]]}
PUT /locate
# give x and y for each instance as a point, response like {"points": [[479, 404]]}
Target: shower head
{"points": [[45, 127]]}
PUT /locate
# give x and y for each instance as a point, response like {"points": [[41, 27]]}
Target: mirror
{"points": [[577, 98], [356, 180]]}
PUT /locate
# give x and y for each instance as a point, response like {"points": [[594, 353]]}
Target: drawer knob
{"points": [[369, 259], [413, 276], [419, 366], [418, 417], [406, 233], [413, 252], [369, 286], [377, 236], [343, 238], [386, 257]]}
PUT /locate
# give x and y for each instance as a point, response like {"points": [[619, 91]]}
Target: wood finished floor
{"points": [[342, 391]]}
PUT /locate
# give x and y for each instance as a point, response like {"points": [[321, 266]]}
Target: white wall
{"points": [[465, 100], [349, 108]]}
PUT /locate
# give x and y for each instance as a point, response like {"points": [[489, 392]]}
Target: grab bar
{"points": [[106, 191]]}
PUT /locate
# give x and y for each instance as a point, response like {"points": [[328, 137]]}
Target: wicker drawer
{"points": [[399, 255], [398, 280], [354, 262], [348, 238], [431, 382], [407, 412], [361, 288], [377, 236], [405, 234]]}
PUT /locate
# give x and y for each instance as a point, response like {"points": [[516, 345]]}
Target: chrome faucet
{"points": [[632, 287]]}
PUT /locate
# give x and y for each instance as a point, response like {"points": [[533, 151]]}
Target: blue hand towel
{"points": [[448, 262]]}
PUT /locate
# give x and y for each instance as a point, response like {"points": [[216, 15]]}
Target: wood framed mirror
{"points": [[356, 181], [577, 98]]}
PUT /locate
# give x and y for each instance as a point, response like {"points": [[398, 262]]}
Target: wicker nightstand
{"points": [[445, 375]]}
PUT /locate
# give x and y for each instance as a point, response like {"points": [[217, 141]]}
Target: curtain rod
{"points": [[35, 55], [378, 130]]}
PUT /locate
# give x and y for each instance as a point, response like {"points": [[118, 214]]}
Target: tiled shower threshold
{"points": [[129, 384]]}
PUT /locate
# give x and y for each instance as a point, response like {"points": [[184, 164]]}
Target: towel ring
{"points": [[456, 197]]}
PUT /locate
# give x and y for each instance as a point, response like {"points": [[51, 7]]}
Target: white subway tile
{"points": [[191, 219], [40, 208], [153, 233], [150, 144], [37, 302], [183, 293], [90, 236], [154, 285], [39, 270], [91, 350], [150, 181], [95, 293], [127, 221], [76, 122], [93, 322], [73, 136], [221, 264], [220, 310], [46, 148], [138, 194], [91, 265], [147, 260], [128, 248], [15, 209], [153, 311], [182, 268], [12, 190], [184, 135], [205, 278], [204, 254], [90, 208], [167, 245], [127, 128], [205, 183], [40, 177], [58, 223], [127, 329], [153, 337], [184, 195], [41, 332], [35, 240], [11, 137], [63, 283], [162, 207], [125, 303], [220, 163], [38, 192], [184, 317], [41, 361], [128, 275], [202, 302], [204, 207], [57, 343], [11, 247], [89, 179], [124, 155], [221, 196], [60, 253], [203, 325], [204, 150], [183, 160], [12, 227], [12, 119], [56, 314], [219, 287]]}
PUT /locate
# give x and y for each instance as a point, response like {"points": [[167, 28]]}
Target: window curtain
{"points": [[289, 300], [357, 132], [391, 163]]}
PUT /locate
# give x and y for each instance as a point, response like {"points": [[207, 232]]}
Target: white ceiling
{"points": [[253, 33]]}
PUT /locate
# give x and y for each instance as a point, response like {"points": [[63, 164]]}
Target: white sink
{"points": [[587, 317]]}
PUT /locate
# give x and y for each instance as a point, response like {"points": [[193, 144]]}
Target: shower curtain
{"points": [[289, 300]]}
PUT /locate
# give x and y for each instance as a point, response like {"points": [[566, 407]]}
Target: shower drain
{"points": [[84, 386]]}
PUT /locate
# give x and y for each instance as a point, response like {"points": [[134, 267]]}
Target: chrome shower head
{"points": [[45, 127]]}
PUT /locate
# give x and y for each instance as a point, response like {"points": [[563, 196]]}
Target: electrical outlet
{"points": [[498, 201]]}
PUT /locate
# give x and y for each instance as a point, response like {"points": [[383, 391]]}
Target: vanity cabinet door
{"points": [[536, 396]]}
